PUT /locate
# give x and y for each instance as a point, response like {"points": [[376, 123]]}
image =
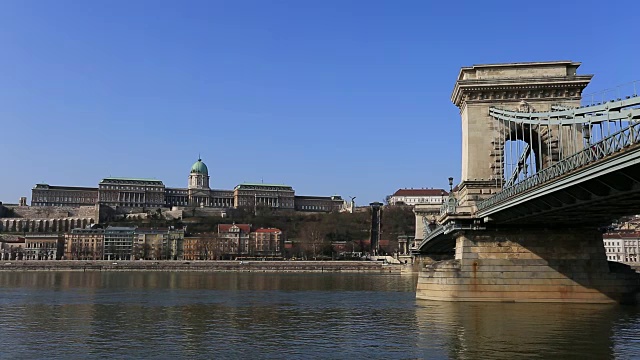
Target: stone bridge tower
{"points": [[533, 86]]}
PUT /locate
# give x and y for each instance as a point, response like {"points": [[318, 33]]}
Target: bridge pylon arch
{"points": [[526, 87]]}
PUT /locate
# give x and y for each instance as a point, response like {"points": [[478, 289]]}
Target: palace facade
{"points": [[134, 195]]}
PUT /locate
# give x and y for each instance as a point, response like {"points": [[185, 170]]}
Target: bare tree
{"points": [[207, 247], [97, 254], [74, 251], [313, 239]]}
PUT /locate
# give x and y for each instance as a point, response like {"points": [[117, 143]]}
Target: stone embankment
{"points": [[235, 266]]}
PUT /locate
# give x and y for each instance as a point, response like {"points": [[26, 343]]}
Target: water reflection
{"points": [[204, 315], [544, 331], [276, 316], [203, 280]]}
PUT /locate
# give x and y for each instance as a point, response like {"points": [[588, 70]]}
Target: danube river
{"points": [[162, 315]]}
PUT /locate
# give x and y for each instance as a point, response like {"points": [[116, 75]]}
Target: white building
{"points": [[418, 196], [622, 246]]}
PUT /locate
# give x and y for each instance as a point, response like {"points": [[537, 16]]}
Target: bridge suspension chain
{"points": [[535, 147], [542, 139]]}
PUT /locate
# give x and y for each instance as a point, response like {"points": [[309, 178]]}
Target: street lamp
{"points": [[450, 184]]}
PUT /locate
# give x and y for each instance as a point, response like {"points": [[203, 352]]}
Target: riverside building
{"points": [[130, 195], [84, 244], [118, 243], [43, 246], [622, 246], [418, 196]]}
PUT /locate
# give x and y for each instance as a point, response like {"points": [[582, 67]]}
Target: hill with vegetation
{"points": [[315, 234]]}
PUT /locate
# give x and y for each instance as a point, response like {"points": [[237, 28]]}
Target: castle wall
{"points": [[48, 225], [50, 212]]}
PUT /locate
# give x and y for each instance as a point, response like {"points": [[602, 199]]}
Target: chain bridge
{"points": [[544, 169]]}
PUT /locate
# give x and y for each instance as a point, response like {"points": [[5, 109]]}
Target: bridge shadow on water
{"points": [[478, 330]]}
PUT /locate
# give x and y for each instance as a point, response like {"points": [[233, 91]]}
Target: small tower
{"points": [[199, 176]]}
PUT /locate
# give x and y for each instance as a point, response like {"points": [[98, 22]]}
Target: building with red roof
{"points": [[418, 196], [236, 236]]}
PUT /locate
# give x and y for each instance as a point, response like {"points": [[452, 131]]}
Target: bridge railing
{"points": [[610, 145], [447, 228]]}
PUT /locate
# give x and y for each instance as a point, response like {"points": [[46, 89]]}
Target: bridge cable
{"points": [[539, 155], [510, 150], [503, 155], [574, 138], [560, 142], [549, 143], [601, 130], [572, 143], [520, 152], [531, 168], [507, 157], [504, 152]]}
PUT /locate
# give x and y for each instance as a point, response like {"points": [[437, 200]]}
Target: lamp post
{"points": [[451, 204]]}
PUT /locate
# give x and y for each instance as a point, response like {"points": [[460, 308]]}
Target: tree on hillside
{"points": [[312, 239], [396, 221]]}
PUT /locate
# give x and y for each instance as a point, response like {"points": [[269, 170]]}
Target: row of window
{"points": [[65, 199], [48, 245], [628, 250], [44, 195], [618, 243], [315, 207], [147, 204], [626, 242], [430, 199], [263, 188], [60, 204], [630, 258], [140, 188]]}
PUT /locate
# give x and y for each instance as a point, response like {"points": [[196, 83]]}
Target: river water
{"points": [[156, 315]]}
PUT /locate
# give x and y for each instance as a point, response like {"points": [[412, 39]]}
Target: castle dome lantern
{"points": [[199, 168], [199, 176]]}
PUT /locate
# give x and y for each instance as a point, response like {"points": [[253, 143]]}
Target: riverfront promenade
{"points": [[212, 266]]}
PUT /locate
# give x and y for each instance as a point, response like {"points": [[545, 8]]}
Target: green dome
{"points": [[199, 168]]}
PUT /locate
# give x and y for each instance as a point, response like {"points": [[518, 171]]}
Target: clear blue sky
{"points": [[331, 97]]}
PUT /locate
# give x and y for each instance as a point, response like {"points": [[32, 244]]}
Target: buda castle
{"points": [[132, 195]]}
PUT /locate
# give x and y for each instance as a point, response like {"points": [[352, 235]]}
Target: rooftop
{"points": [[421, 192], [226, 227], [309, 197], [120, 228], [55, 187], [109, 179], [264, 185], [525, 63], [199, 167], [86, 231], [269, 230], [622, 235]]}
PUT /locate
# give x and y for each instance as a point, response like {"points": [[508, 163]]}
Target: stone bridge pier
{"points": [[529, 265]]}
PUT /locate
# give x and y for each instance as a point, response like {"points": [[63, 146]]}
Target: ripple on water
{"points": [[276, 316]]}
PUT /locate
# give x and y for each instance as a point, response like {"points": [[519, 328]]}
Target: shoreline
{"points": [[206, 266]]}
